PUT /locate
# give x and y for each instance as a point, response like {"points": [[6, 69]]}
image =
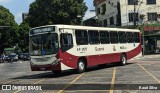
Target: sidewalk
{"points": [[151, 55], [147, 56]]}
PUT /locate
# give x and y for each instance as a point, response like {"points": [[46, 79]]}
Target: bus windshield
{"points": [[44, 44]]}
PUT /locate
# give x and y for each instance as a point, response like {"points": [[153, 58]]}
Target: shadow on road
{"points": [[68, 72], [100, 67]]}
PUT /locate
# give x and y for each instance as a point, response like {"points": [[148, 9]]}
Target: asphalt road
{"points": [[140, 75]]}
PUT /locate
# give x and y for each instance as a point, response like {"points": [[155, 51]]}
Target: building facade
{"points": [[24, 16], [127, 12], [90, 21]]}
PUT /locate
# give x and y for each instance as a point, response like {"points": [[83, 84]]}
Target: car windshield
{"points": [[44, 44]]}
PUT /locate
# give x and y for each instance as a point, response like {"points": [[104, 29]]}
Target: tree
{"points": [[9, 35], [46, 12], [24, 36]]}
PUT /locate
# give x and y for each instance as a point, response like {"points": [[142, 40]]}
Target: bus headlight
{"points": [[56, 62], [31, 63]]}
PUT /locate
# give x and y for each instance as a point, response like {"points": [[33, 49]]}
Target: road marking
{"points": [[113, 80], [138, 58], [39, 81], [70, 83], [1, 64], [33, 83], [10, 81], [150, 57], [149, 73]]}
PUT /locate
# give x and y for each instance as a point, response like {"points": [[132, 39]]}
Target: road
{"points": [[140, 75]]}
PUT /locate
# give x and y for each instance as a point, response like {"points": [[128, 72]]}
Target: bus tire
{"points": [[56, 71], [81, 66], [123, 60]]}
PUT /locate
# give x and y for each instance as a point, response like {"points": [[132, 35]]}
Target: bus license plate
{"points": [[42, 68]]}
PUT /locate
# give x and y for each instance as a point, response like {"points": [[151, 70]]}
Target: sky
{"points": [[17, 7]]}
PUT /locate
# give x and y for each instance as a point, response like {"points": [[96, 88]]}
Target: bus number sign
{"points": [[83, 49], [41, 30]]}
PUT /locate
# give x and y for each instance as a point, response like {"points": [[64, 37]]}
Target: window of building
{"points": [[111, 20], [114, 37], [104, 37], [122, 37], [136, 37], [105, 23], [81, 37], [93, 37], [131, 2], [151, 1], [130, 38], [132, 16], [103, 9], [152, 16]]}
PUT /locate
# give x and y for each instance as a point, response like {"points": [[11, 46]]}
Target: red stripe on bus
{"points": [[71, 60]]}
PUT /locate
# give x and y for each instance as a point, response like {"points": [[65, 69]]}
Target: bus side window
{"points": [[114, 37], [130, 38], [66, 41], [81, 37], [122, 37], [93, 37], [104, 37], [136, 37]]}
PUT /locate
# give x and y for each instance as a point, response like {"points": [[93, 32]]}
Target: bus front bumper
{"points": [[48, 67]]}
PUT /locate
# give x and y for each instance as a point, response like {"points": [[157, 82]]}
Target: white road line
{"points": [[138, 58], [150, 57], [1, 64]]}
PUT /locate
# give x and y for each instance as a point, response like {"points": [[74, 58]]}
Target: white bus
{"points": [[63, 47]]}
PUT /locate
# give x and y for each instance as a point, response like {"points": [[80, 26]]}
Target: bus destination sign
{"points": [[41, 30]]}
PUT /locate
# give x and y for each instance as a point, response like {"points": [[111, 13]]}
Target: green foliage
{"points": [[6, 18], [9, 35], [24, 36], [46, 12], [152, 25]]}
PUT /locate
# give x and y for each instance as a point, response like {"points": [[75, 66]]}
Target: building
{"points": [[90, 21], [24, 16], [127, 12]]}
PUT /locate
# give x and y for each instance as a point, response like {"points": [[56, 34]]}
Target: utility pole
{"points": [[135, 17]]}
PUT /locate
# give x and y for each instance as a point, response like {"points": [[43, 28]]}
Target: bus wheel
{"points": [[123, 60], [56, 71], [81, 66]]}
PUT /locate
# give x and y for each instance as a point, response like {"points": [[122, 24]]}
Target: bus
{"points": [[62, 47]]}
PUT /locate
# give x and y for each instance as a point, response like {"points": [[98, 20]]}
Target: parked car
{"points": [[24, 56], [2, 59], [12, 57]]}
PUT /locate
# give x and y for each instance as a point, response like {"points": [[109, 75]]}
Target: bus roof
{"points": [[88, 27]]}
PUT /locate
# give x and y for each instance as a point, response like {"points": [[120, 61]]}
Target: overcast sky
{"points": [[17, 7]]}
